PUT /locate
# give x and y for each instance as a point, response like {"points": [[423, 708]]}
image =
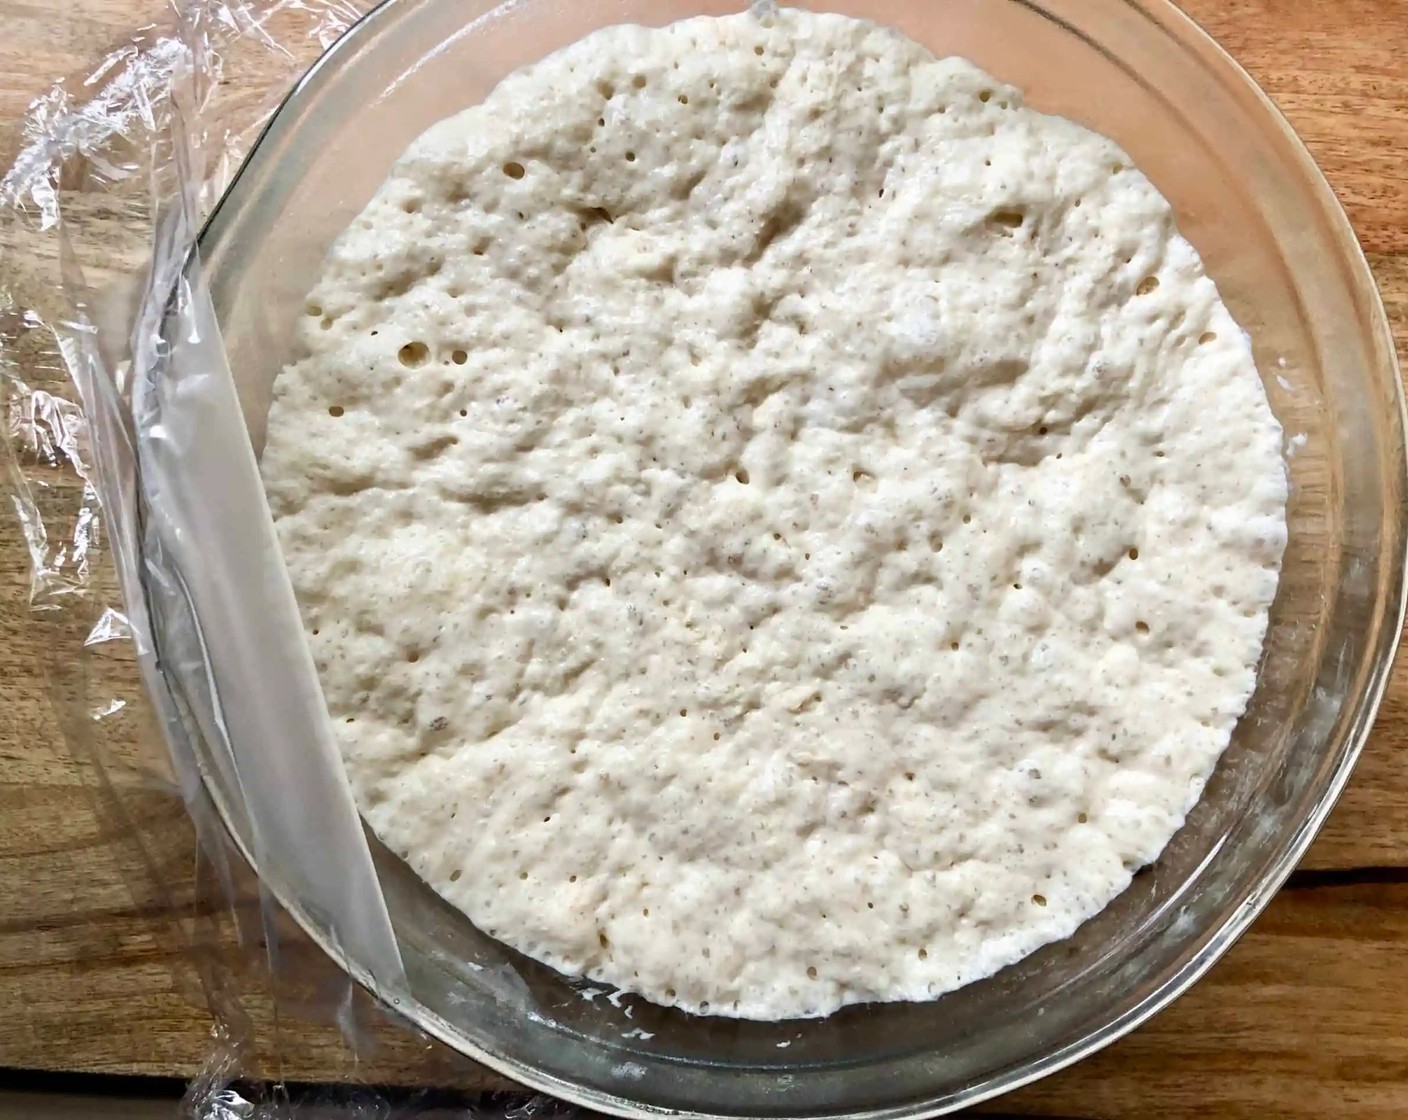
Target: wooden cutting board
{"points": [[1306, 1017]]}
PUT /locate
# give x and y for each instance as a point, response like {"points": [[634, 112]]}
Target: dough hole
{"points": [[1206, 337], [335, 410], [1007, 220], [413, 354], [1147, 286], [742, 476], [459, 357], [515, 170], [1039, 899], [455, 875]]}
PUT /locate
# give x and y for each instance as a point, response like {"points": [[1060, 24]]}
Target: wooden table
{"points": [[1306, 1017]]}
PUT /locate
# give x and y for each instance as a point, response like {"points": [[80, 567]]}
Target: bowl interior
{"points": [[1286, 263]]}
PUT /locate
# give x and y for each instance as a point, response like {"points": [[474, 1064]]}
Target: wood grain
{"points": [[107, 925]]}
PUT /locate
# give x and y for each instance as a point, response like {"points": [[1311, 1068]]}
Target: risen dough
{"points": [[780, 523]]}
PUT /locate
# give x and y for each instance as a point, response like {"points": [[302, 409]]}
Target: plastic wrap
{"points": [[132, 478]]}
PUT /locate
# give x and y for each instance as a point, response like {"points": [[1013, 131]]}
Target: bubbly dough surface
{"points": [[780, 523]]}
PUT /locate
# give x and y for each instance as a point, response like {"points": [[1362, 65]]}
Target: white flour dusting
{"points": [[780, 523]]}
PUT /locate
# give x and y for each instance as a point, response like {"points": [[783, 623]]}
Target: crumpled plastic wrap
{"points": [[114, 387]]}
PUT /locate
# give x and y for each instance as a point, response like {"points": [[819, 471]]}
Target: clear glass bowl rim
{"points": [[1239, 917]]}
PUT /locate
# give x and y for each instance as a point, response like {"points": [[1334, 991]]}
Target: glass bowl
{"points": [[1252, 202]]}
